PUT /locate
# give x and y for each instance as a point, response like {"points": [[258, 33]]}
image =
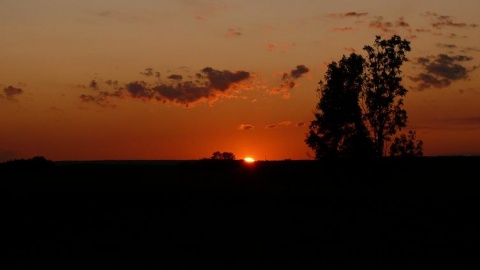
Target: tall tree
{"points": [[361, 103], [339, 131], [382, 95]]}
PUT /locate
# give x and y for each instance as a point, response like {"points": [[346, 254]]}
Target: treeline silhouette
{"points": [[34, 163]]}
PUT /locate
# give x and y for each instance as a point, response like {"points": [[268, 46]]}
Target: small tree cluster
{"points": [[217, 155]]}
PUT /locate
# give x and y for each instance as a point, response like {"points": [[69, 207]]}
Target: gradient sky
{"points": [[164, 79]]}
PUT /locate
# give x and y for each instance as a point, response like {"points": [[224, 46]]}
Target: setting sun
{"points": [[249, 160]]}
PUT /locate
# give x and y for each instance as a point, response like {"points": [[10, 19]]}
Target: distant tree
{"points": [[361, 103], [217, 155], [338, 130], [406, 146]]}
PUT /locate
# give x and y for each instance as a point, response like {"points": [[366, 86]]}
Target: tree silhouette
{"points": [[361, 102], [338, 130]]}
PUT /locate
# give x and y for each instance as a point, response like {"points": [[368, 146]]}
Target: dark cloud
{"points": [[355, 14], [176, 77], [301, 124], [148, 72], [425, 81], [208, 85], [441, 70], [112, 82], [271, 126], [299, 71], [101, 99], [289, 80], [402, 23], [11, 92], [140, 89], [351, 14], [447, 66], [246, 127], [222, 79], [93, 84]]}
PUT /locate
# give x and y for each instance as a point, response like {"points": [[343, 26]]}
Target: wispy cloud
{"points": [[279, 47], [474, 90], [380, 24], [441, 21], [446, 46], [283, 123], [454, 47], [373, 22], [345, 29]]}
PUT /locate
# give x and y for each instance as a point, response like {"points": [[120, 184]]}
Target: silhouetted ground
{"points": [[389, 214]]}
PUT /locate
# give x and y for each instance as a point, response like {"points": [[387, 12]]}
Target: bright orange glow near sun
{"points": [[249, 160]]}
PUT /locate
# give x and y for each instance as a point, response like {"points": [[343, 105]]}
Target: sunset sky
{"points": [[181, 79]]}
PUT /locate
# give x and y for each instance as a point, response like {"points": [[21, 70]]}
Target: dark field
{"points": [[388, 214]]}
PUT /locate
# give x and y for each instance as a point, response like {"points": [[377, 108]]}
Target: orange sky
{"points": [[158, 79]]}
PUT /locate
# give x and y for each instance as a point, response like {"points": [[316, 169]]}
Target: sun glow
{"points": [[249, 160]]}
